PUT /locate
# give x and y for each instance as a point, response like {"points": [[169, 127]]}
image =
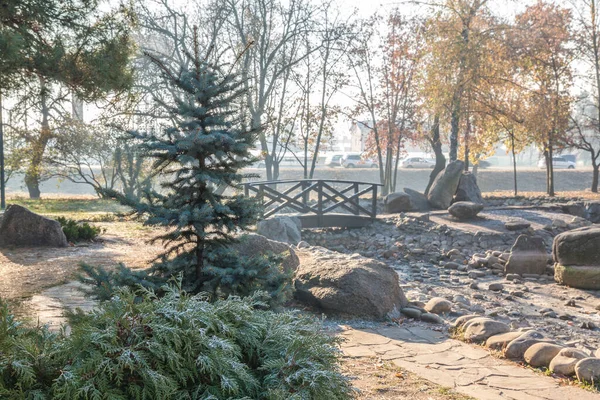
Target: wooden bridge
{"points": [[318, 202]]}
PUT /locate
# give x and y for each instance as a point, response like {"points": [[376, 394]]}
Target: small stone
{"points": [[571, 303], [465, 210], [589, 325], [588, 370], [411, 312], [516, 225], [496, 287], [438, 305], [474, 286], [565, 361], [303, 245], [432, 318], [512, 277], [540, 354]]}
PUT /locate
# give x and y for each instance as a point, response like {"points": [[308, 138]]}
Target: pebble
{"points": [[496, 287]]}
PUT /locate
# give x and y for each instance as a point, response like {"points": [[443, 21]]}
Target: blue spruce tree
{"points": [[202, 151]]}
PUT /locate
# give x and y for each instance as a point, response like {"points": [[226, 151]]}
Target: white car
{"points": [[356, 161], [417, 162], [557, 162], [333, 160]]}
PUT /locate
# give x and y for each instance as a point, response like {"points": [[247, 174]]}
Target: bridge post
{"points": [[320, 203], [374, 203], [356, 201]]}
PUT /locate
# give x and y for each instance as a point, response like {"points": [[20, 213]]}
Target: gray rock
{"points": [[21, 227], [516, 225], [496, 287], [431, 318], [468, 190], [574, 208], [465, 210], [540, 354], [588, 370], [499, 342], [445, 184], [527, 256], [581, 277], [481, 328], [346, 285], [411, 312], [566, 359], [517, 348], [397, 202], [282, 229], [460, 321], [578, 247], [251, 245], [592, 209], [438, 305], [418, 200]]}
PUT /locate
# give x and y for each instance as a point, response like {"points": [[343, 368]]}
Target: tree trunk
{"points": [[512, 148], [38, 147], [595, 177], [440, 160], [550, 170], [454, 126]]}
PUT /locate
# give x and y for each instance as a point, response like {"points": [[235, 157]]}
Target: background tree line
{"points": [[456, 73]]}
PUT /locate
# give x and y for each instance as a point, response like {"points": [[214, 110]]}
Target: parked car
{"points": [[356, 161], [557, 162], [417, 162], [333, 160]]}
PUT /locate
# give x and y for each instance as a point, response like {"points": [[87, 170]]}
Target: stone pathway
{"points": [[48, 306], [427, 351], [468, 369]]}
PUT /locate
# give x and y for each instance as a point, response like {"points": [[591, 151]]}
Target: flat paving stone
{"points": [[468, 369]]}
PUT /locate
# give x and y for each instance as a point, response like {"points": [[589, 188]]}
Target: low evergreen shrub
{"points": [[78, 231], [177, 346]]}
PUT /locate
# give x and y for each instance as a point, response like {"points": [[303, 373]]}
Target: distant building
{"points": [[359, 132]]}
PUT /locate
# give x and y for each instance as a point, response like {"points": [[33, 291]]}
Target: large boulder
{"points": [[581, 277], [527, 256], [445, 184], [397, 202], [418, 200], [348, 285], [465, 210], [468, 190], [251, 245], [21, 227], [592, 209], [480, 329], [578, 247], [282, 229]]}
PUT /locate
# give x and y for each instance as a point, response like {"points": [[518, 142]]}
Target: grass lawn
{"points": [[76, 207]]}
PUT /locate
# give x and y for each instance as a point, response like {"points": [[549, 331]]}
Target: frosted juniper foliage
{"points": [[178, 346], [203, 151]]}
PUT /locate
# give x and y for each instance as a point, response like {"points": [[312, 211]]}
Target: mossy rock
{"points": [[581, 277]]}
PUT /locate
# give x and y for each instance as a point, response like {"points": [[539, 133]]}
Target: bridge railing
{"points": [[317, 197]]}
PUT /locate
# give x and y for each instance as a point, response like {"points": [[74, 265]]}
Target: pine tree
{"points": [[203, 150]]}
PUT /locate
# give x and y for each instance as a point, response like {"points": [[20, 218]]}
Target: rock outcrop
{"points": [[418, 200], [577, 258], [468, 190], [21, 227], [445, 184]]}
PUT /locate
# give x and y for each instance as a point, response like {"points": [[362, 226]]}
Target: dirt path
{"points": [[25, 271]]}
